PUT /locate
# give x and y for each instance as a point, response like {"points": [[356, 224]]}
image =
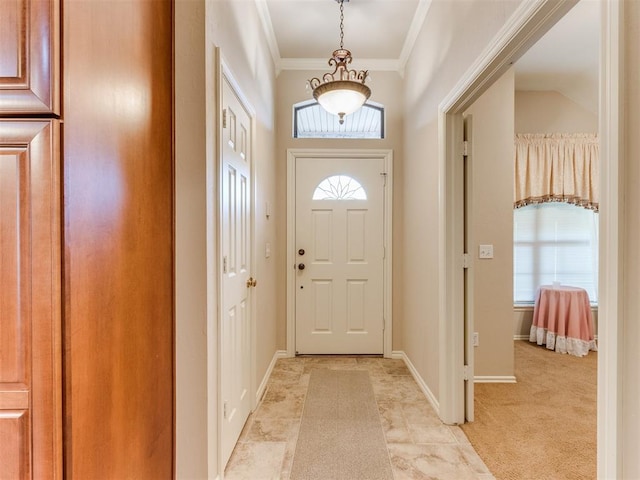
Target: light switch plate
{"points": [[485, 251]]}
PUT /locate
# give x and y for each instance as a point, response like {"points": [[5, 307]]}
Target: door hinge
{"points": [[466, 372], [384, 178], [224, 410], [224, 264], [466, 260], [224, 118], [465, 148]]}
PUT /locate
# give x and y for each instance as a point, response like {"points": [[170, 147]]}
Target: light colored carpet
{"points": [[341, 435], [544, 426]]}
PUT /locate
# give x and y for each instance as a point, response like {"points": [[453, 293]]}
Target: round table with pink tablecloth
{"points": [[562, 320]]}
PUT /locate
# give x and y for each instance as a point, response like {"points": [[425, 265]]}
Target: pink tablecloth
{"points": [[562, 320]]}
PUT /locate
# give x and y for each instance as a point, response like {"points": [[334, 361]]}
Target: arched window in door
{"points": [[339, 187]]}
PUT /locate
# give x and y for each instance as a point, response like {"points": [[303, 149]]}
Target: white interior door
{"points": [[236, 238], [469, 336], [339, 240]]}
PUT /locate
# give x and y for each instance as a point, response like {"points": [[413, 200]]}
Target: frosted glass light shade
{"points": [[341, 97]]}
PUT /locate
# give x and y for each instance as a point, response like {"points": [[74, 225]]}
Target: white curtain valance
{"points": [[557, 168]]}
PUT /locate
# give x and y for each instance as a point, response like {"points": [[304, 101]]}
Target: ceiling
{"points": [[302, 34]]}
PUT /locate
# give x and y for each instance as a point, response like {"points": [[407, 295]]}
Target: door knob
{"points": [[301, 266], [252, 282]]}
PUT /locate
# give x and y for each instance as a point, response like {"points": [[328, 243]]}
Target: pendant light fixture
{"points": [[342, 91]]}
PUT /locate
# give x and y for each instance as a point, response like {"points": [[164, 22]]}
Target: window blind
{"points": [[554, 242]]}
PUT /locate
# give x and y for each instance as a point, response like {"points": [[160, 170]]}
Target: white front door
{"points": [[339, 242], [235, 239]]}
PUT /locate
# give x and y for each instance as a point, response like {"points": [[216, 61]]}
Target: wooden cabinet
{"points": [[30, 241], [29, 57], [30, 301], [113, 185]]}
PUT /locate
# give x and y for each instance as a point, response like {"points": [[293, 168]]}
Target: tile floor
{"points": [[420, 446]]}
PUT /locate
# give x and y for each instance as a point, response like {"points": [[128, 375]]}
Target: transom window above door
{"points": [[310, 120], [339, 187]]}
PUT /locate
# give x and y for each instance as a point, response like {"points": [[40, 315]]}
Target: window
{"points": [[339, 187], [310, 120], [554, 242]]}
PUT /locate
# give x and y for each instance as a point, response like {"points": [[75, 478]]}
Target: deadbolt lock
{"points": [[301, 252], [252, 282]]}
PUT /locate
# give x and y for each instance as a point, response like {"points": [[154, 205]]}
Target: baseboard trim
{"points": [[494, 379], [263, 384], [400, 355]]}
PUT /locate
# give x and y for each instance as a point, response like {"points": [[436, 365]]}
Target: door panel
{"points": [[118, 240], [30, 304], [29, 56], [339, 281], [236, 261]]}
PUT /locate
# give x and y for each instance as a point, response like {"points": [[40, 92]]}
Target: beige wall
{"points": [[453, 36], [386, 88], [190, 238], [552, 112], [630, 361], [491, 223], [199, 27]]}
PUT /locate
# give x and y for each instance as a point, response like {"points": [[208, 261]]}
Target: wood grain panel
{"points": [[15, 454], [30, 299], [118, 174], [29, 57]]}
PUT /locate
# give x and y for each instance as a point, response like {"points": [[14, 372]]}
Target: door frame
{"points": [[528, 24], [215, 261], [387, 156]]}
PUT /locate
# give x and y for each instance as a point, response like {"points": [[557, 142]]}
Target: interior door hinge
{"points": [[224, 410], [466, 260], [465, 148], [384, 178], [224, 118], [466, 373], [224, 264]]}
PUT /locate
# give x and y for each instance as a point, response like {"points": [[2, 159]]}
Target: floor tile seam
{"points": [[438, 444], [296, 435]]}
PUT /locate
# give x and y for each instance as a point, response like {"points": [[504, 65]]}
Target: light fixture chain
{"points": [[341, 24]]}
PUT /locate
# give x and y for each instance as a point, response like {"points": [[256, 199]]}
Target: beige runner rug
{"points": [[341, 436]]}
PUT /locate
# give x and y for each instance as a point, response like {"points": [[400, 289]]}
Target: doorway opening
{"points": [[529, 23]]}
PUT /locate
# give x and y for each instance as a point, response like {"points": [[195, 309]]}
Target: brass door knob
{"points": [[252, 282]]}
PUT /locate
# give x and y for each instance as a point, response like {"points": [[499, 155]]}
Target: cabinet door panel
{"points": [[30, 303], [29, 56]]}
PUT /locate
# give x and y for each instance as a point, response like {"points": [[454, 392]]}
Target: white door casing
{"points": [[341, 301], [236, 261], [340, 252]]}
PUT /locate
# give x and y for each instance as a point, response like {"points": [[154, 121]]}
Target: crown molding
{"points": [[267, 26], [412, 34], [377, 64], [371, 64]]}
